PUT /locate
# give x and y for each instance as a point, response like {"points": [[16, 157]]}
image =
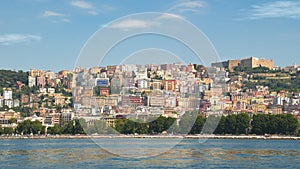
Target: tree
{"points": [[99, 126], [292, 125], [28, 127], [259, 124], [274, 124], [24, 127], [221, 126], [187, 121], [230, 124], [197, 127], [8, 78], [8, 130], [25, 111], [73, 127], [56, 129], [242, 123], [160, 124], [142, 128], [129, 127], [119, 125], [12, 120], [37, 127]]}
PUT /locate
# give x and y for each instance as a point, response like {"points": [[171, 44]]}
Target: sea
{"points": [[148, 153]]}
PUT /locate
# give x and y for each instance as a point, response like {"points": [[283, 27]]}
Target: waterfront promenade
{"points": [[260, 137]]}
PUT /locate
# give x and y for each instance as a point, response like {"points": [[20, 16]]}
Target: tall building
{"points": [[116, 82]]}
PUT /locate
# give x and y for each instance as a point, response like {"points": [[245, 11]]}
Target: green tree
{"points": [[73, 127], [187, 121], [160, 124], [8, 130], [12, 120], [221, 128], [98, 126], [242, 123], [37, 127], [292, 125], [197, 127], [129, 127], [28, 127], [142, 128], [259, 124], [24, 127], [119, 125], [274, 124], [230, 124], [56, 129]]}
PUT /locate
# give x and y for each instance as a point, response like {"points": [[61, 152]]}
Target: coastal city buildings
{"points": [[119, 91]]}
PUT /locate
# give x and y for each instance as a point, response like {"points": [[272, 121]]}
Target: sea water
{"points": [[187, 153]]}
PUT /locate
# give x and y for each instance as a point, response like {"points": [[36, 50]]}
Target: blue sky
{"points": [[49, 34]]}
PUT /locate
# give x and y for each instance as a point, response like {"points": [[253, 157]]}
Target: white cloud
{"points": [[277, 9], [169, 16], [56, 17], [187, 6], [65, 20], [52, 13], [85, 5], [107, 8], [141, 23], [93, 12], [82, 4], [9, 39], [62, 20], [130, 24]]}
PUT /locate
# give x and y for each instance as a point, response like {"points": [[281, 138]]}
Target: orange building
{"points": [[169, 84], [104, 91]]}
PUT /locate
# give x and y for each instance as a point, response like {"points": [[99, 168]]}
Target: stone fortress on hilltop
{"points": [[251, 62]]}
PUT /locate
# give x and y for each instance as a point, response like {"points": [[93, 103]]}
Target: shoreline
{"points": [[242, 137]]}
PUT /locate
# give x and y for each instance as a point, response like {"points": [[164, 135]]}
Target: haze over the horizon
{"points": [[49, 35]]}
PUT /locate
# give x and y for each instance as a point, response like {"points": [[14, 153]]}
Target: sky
{"points": [[49, 34]]}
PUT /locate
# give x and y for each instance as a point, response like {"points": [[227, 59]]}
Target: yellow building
{"points": [[259, 108]]}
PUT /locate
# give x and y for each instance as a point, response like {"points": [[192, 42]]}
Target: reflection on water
{"points": [[84, 153]]}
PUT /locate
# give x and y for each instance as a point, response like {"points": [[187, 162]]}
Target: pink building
{"points": [[41, 81]]}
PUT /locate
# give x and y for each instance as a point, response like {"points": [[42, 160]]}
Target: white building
{"points": [[170, 101], [143, 83], [1, 101], [128, 68], [142, 74], [51, 90], [281, 100], [7, 94], [9, 103], [31, 81], [16, 103], [156, 101]]}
